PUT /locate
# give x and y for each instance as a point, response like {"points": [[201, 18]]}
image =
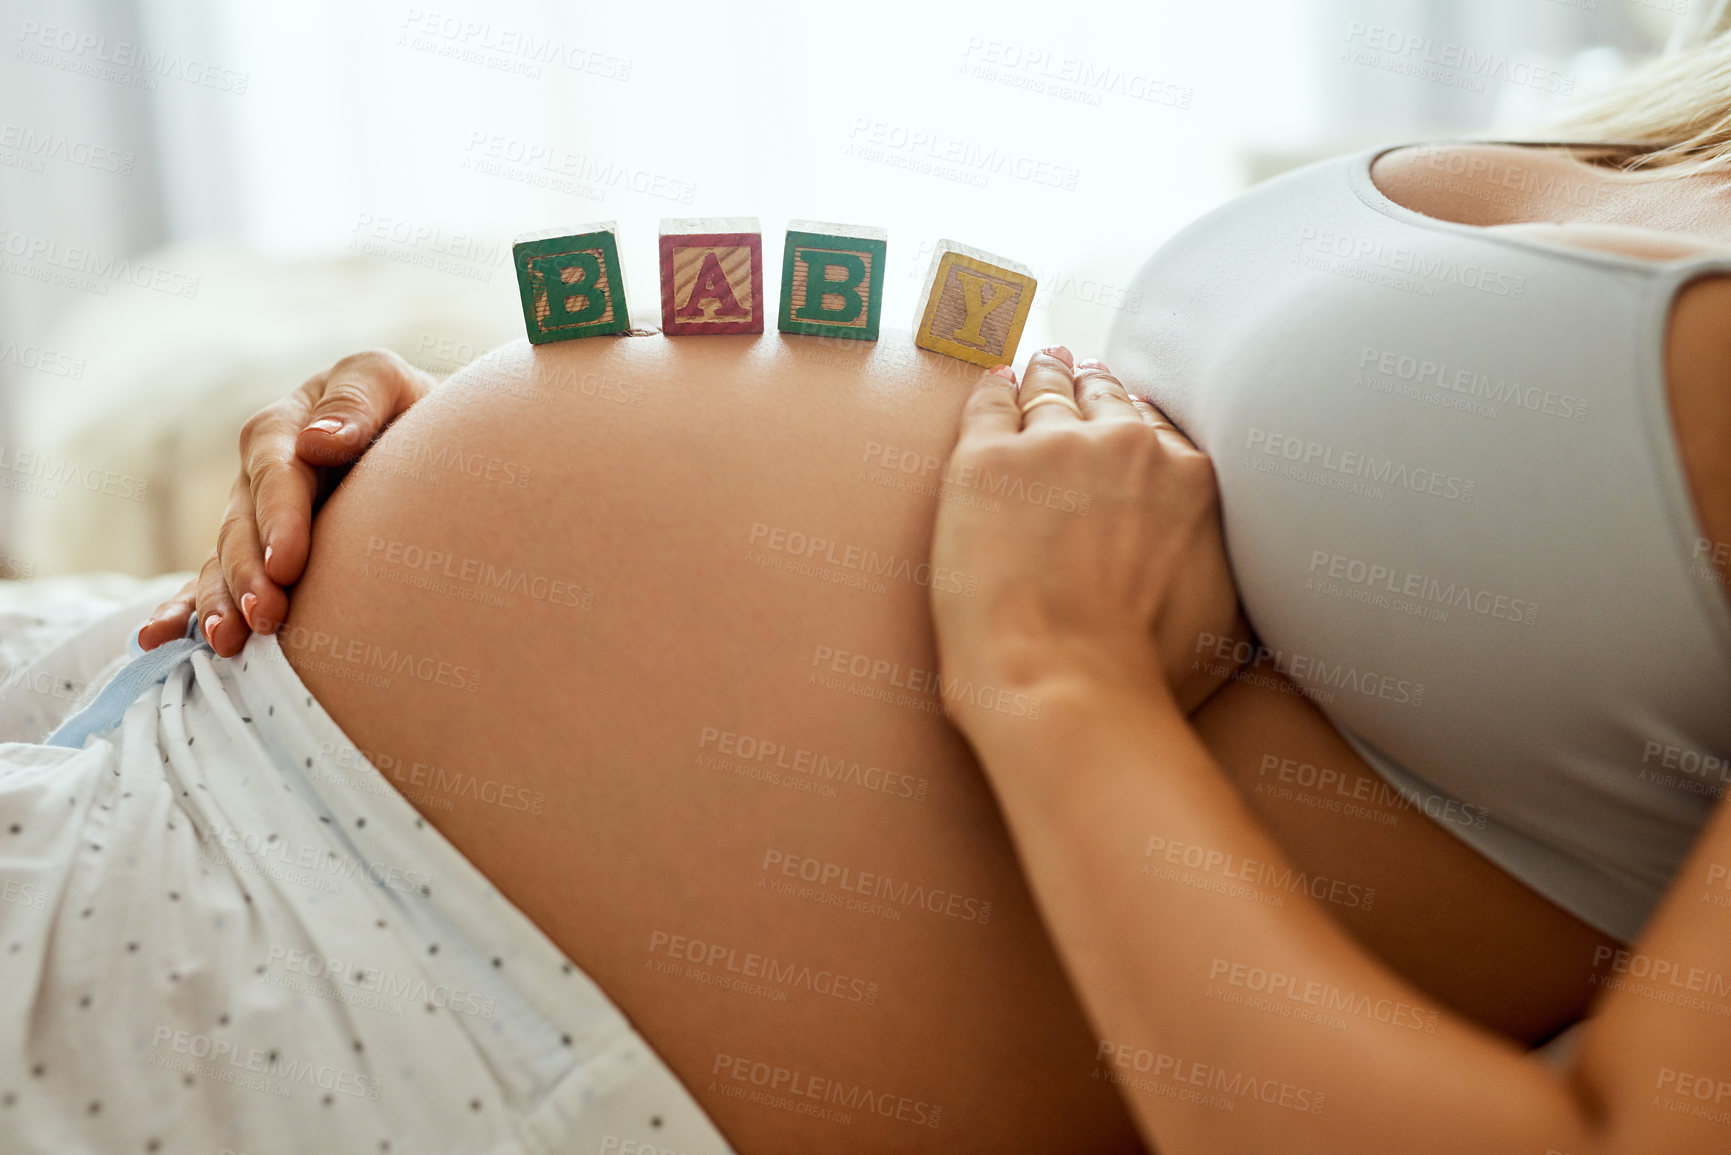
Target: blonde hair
{"points": [[1677, 107]]}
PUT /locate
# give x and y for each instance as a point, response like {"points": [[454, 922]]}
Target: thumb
{"points": [[362, 395], [338, 431]]}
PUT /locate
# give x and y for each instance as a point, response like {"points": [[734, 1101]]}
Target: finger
{"points": [[168, 621], [1048, 374], [218, 619], [991, 407], [1170, 435], [362, 394], [1101, 395], [282, 487], [261, 602]]}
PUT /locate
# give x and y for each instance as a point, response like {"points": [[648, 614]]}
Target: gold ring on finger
{"points": [[1052, 399]]}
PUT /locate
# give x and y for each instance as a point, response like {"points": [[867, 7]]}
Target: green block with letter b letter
{"points": [[832, 280], [572, 283]]}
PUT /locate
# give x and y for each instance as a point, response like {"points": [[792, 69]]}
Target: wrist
{"points": [[1083, 736], [1045, 680]]}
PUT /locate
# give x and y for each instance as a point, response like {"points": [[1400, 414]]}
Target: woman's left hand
{"points": [[1104, 561], [292, 452]]}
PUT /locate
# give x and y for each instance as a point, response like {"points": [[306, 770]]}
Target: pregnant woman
{"points": [[643, 631]]}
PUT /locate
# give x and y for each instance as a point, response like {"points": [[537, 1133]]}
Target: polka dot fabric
{"points": [[221, 931]]}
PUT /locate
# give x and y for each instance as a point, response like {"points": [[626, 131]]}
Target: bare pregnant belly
{"points": [[672, 691], [672, 694]]}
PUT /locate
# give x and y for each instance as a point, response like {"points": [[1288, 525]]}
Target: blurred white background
{"points": [[203, 203]]}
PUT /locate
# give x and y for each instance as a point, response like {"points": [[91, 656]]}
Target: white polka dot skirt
{"points": [[222, 931]]}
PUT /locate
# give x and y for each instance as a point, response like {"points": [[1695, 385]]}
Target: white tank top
{"points": [[1457, 516]]}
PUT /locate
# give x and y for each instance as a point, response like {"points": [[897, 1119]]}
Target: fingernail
{"points": [[1090, 363], [247, 602], [1060, 353], [210, 623], [1005, 372], [326, 424], [267, 552]]}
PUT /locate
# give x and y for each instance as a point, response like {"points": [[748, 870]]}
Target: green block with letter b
{"points": [[572, 284], [832, 280]]}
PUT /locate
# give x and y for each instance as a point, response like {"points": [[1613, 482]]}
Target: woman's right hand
{"points": [[1123, 593], [292, 454]]}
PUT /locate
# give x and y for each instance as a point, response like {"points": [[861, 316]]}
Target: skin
{"points": [[734, 432]]}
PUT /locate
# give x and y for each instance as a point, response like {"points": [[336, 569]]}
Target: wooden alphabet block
{"points": [[974, 305], [572, 284], [832, 280], [711, 276]]}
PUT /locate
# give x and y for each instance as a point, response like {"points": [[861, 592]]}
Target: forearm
{"points": [[1162, 892]]}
